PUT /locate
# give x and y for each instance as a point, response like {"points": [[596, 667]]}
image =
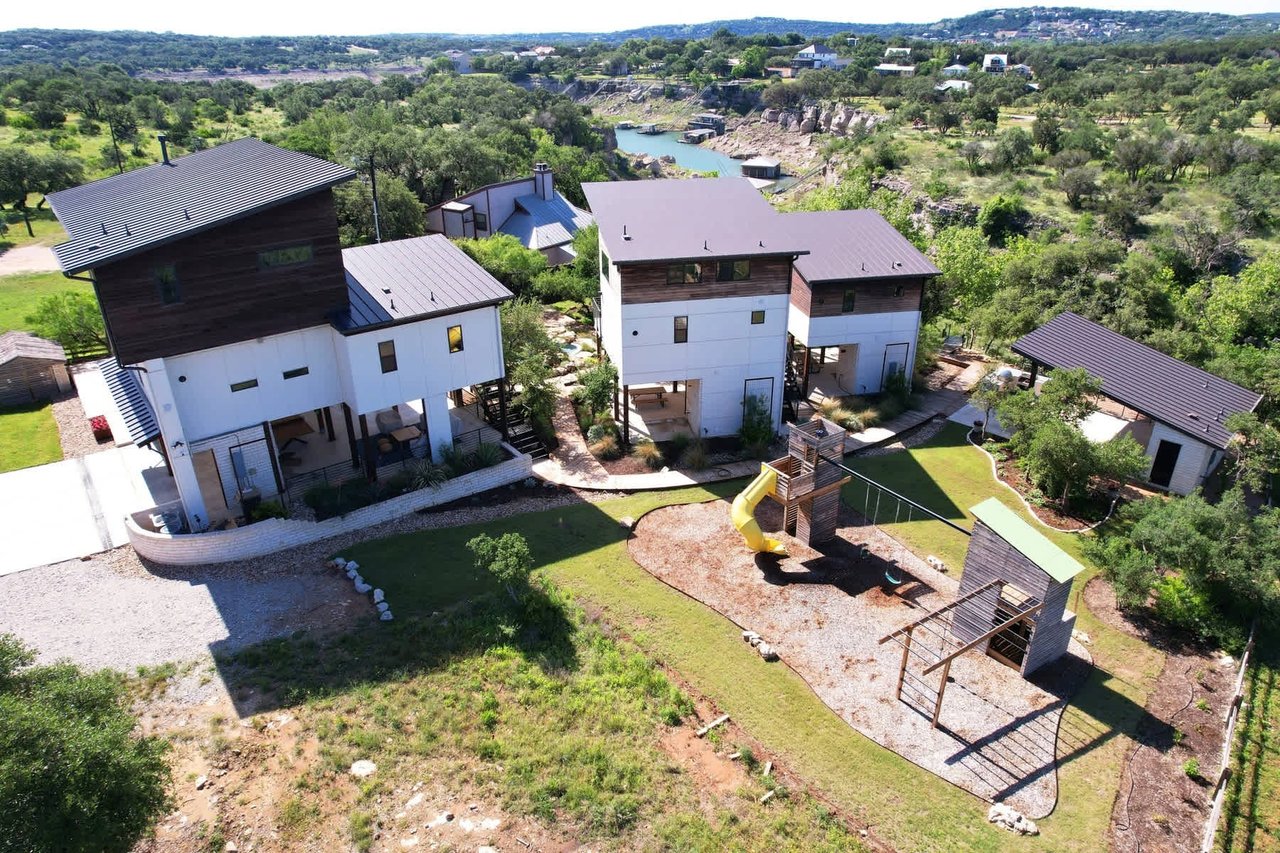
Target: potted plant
{"points": [[101, 429]]}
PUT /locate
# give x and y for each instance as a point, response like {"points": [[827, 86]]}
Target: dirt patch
{"points": [[824, 611], [1161, 806], [28, 259], [713, 771]]}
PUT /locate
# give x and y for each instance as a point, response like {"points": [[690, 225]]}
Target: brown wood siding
{"points": [[989, 558], [648, 282], [225, 297], [801, 293], [874, 296], [27, 380]]}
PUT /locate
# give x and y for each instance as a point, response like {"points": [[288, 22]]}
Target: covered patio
{"points": [[657, 411]]}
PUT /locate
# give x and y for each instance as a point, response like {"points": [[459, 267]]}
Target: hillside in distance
{"points": [[148, 51]]}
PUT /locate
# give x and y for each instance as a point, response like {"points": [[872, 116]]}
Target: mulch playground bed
{"points": [[1159, 808], [823, 611]]}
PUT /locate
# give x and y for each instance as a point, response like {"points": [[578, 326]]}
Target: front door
{"points": [[1166, 460], [895, 361]]}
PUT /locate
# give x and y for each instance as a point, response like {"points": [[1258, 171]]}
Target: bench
{"points": [[649, 395]]}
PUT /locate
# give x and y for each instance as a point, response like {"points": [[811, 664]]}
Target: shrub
{"points": [[457, 460], [1191, 767], [597, 386], [561, 284], [678, 443], [507, 558], [832, 409], [428, 475], [329, 500], [757, 423], [648, 453], [73, 775], [606, 447], [602, 428], [488, 454], [268, 509], [695, 456]]}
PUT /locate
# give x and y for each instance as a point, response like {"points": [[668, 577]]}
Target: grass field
{"points": [[1251, 813], [28, 436], [582, 549], [19, 295]]}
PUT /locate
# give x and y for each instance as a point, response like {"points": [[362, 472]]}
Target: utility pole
{"points": [[373, 180]]}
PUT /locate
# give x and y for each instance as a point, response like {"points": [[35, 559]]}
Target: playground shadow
{"points": [[902, 473]]}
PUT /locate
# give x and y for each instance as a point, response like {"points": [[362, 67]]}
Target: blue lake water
{"points": [[693, 157]]}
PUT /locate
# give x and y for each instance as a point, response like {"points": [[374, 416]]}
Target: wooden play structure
{"points": [[808, 491], [1011, 605]]}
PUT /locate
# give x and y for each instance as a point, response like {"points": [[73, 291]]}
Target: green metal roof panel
{"points": [[1031, 543]]}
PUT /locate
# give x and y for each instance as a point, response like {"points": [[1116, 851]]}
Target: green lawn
{"points": [[19, 295], [582, 549], [1251, 812], [47, 229], [28, 436]]}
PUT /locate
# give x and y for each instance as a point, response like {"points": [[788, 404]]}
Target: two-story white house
{"points": [[707, 294], [530, 209], [266, 355], [817, 55]]}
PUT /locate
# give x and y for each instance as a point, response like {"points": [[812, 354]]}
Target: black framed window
{"points": [[684, 273], [167, 284], [482, 222], [455, 339], [245, 385], [757, 318], [682, 330], [849, 300], [285, 256], [296, 372], [387, 356], [604, 262], [897, 290], [733, 271]]}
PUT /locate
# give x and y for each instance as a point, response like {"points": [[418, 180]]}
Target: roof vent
{"points": [[386, 290], [127, 232], [186, 213], [1193, 416], [164, 148], [704, 246], [625, 235], [433, 296], [393, 304], [104, 229], [761, 244]]}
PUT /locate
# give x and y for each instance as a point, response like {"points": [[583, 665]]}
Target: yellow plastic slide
{"points": [[743, 512]]}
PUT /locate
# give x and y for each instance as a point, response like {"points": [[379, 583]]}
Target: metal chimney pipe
{"points": [[164, 148]]}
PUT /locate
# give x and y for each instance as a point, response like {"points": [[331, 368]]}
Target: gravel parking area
{"points": [[823, 612], [74, 432], [115, 610]]}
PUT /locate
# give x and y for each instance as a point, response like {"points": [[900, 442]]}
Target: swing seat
{"points": [[891, 580]]}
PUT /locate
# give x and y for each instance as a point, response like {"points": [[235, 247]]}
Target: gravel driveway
{"points": [[112, 610]]}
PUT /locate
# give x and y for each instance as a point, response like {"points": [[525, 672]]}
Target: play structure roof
{"points": [[1030, 542]]}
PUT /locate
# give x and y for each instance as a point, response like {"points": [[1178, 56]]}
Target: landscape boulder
{"points": [[362, 768]]}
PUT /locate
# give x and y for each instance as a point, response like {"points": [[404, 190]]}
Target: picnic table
{"points": [[649, 395]]}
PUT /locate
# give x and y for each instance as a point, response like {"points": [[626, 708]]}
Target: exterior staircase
{"points": [[519, 431]]}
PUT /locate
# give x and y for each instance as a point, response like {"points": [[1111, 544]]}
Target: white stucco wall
{"points": [[723, 351], [1194, 460], [870, 332], [209, 407], [611, 313], [497, 203]]}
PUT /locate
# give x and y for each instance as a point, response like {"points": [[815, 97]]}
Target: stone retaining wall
{"points": [[276, 534]]}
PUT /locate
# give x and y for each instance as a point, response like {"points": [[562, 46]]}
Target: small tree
{"points": [[74, 776], [72, 319], [756, 431], [598, 386], [508, 559]]}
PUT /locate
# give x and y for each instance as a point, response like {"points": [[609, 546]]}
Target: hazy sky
{"points": [[265, 17]]}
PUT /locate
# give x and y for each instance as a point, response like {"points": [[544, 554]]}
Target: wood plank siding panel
{"points": [[225, 296], [643, 283], [27, 380], [801, 293], [990, 557], [875, 296]]}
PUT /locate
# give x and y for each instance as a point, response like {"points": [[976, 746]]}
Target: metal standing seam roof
{"points": [[688, 220], [116, 217], [854, 244], [1029, 542], [539, 223], [1186, 398], [768, 162], [131, 401], [407, 280], [26, 345]]}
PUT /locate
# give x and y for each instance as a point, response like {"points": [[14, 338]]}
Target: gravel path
{"points": [[74, 433], [28, 259], [824, 611], [116, 610]]}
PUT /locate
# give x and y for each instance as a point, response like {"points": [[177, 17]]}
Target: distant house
{"points": [[31, 369], [995, 63], [709, 121], [888, 69], [817, 55], [1020, 68], [1175, 411], [955, 70], [891, 53], [762, 168], [461, 61], [529, 209], [961, 86]]}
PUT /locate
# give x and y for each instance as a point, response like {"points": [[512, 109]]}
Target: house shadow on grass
{"points": [[445, 609]]}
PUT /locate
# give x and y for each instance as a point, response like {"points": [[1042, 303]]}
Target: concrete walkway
{"points": [[573, 465], [76, 507], [943, 401]]}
